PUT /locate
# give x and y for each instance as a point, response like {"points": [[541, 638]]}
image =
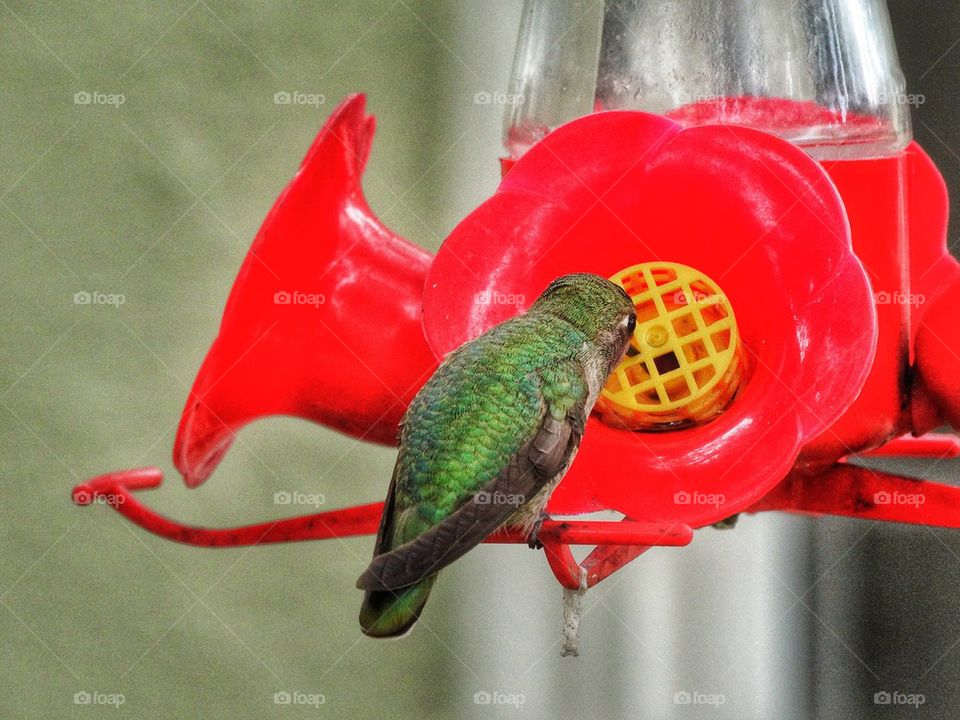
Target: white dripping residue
{"points": [[572, 611]]}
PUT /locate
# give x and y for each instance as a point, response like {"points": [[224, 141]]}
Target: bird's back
{"points": [[480, 407]]}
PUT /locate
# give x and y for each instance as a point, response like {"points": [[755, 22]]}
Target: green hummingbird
{"points": [[488, 438]]}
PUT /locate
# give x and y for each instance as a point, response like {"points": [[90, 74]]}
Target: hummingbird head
{"points": [[598, 308]]}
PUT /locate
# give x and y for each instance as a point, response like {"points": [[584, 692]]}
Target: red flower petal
{"points": [[325, 298], [751, 211]]}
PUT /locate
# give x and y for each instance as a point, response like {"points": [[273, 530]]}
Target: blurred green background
{"points": [[157, 199]]}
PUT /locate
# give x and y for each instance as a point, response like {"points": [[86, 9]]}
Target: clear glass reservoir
{"points": [[823, 74]]}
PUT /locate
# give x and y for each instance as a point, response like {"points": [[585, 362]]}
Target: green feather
{"points": [[388, 614], [484, 403]]}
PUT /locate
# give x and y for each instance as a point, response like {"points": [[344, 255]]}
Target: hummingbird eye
{"points": [[631, 324]]}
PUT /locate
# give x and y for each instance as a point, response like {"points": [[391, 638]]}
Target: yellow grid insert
{"points": [[684, 363]]}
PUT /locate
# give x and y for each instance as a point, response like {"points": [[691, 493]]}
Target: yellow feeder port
{"points": [[685, 361]]}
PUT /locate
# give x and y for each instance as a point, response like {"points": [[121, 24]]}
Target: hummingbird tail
{"points": [[389, 613]]}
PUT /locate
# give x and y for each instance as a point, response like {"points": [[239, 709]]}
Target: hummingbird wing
{"points": [[537, 463]]}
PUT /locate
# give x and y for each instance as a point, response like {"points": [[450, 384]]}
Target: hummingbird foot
{"points": [[533, 539]]}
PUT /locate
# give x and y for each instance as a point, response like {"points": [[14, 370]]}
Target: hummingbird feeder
{"points": [[747, 175]]}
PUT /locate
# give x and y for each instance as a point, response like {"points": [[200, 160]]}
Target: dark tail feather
{"points": [[388, 613]]}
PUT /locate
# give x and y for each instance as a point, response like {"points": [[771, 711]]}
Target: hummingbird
{"points": [[488, 437]]}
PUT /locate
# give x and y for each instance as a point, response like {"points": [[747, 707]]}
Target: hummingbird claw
{"points": [[533, 539]]}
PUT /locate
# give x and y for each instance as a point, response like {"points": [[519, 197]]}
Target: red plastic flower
{"points": [[323, 321], [751, 211]]}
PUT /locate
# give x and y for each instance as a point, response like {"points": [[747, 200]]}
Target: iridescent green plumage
{"points": [[488, 436]]}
